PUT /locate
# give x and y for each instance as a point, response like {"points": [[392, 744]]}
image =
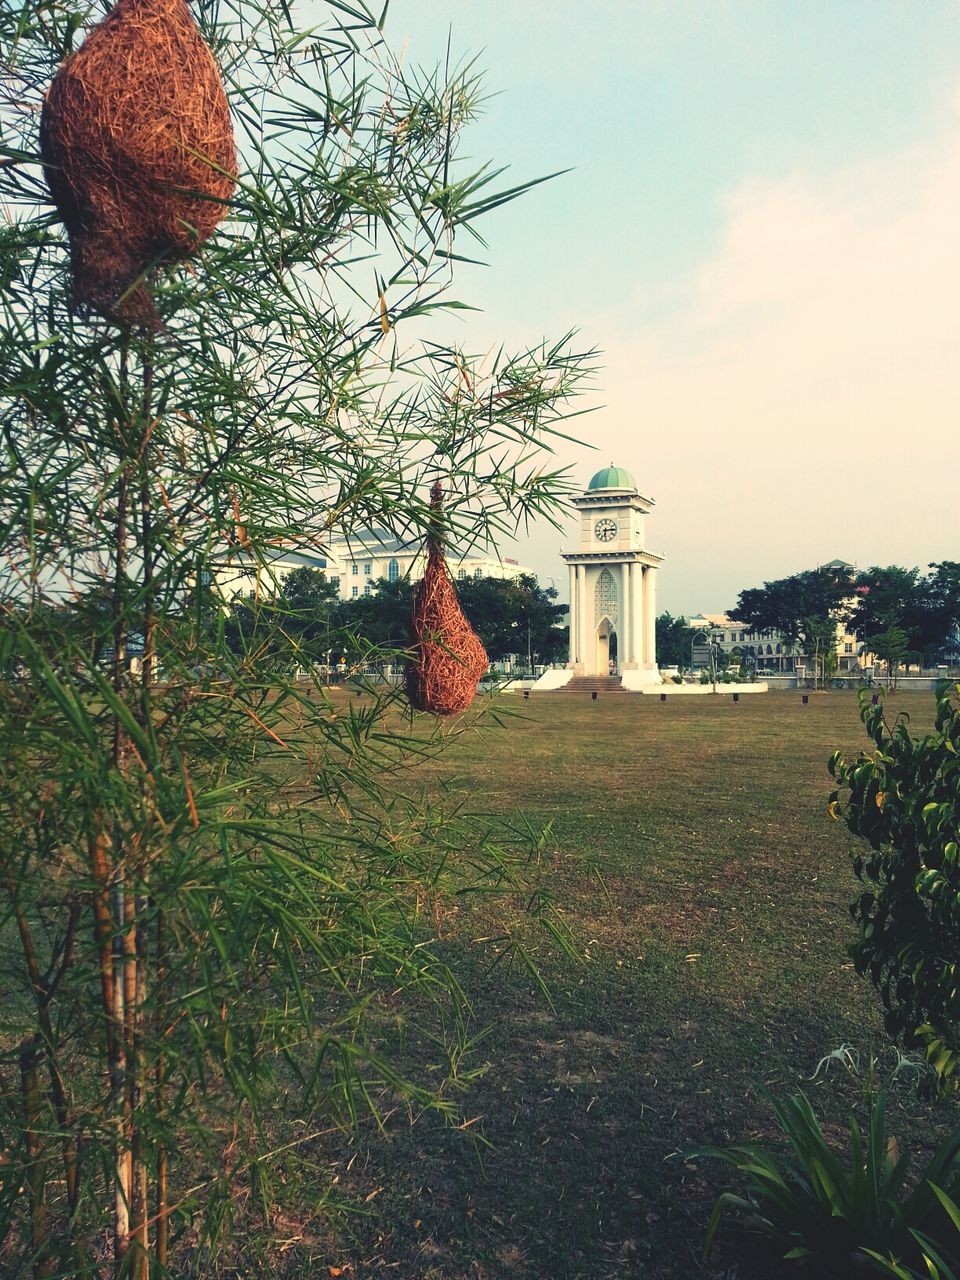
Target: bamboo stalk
{"points": [[44, 991], [130, 970], [124, 966], [163, 1218], [141, 1195], [30, 1053], [140, 936], [123, 1167]]}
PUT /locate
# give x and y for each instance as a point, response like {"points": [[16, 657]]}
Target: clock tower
{"points": [[613, 583]]}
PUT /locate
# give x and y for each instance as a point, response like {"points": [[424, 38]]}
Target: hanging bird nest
{"points": [[449, 658], [138, 152]]}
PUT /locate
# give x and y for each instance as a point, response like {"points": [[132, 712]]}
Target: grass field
{"points": [[707, 893]]}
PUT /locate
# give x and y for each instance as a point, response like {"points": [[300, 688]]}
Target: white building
{"points": [[353, 564], [613, 605], [766, 651]]}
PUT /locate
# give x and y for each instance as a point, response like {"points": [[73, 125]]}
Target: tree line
{"points": [[901, 615], [307, 620]]}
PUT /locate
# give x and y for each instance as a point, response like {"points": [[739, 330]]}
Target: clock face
{"points": [[605, 530]]}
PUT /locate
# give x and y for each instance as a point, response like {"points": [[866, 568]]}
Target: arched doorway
{"points": [[606, 648]]}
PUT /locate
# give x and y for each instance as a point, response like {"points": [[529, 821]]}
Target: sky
{"points": [[761, 233]]}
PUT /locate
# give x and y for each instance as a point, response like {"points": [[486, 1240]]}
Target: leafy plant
{"points": [[847, 1217], [903, 798]]}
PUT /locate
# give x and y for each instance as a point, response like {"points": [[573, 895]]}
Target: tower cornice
{"points": [[614, 498], [612, 557]]}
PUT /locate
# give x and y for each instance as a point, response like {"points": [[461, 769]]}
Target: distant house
{"points": [[353, 564]]}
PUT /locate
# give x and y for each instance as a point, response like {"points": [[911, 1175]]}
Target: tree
{"points": [[805, 609], [674, 639], [204, 864], [308, 606], [903, 798], [514, 616], [891, 646], [943, 607], [926, 608], [308, 595], [888, 597], [381, 619], [294, 626]]}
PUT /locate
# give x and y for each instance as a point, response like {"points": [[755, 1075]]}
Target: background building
{"points": [[352, 564], [767, 651]]}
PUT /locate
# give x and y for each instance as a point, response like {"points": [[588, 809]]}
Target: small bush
{"points": [[855, 1219]]}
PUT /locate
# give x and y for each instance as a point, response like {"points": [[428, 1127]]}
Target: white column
{"points": [[638, 633], [645, 596], [650, 616], [637, 604], [625, 628], [585, 616], [573, 614]]}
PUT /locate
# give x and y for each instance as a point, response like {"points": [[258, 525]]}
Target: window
{"points": [[354, 569], [393, 570], [335, 580], [848, 648], [368, 589], [367, 568], [461, 573], [606, 596], [354, 592], [478, 573]]}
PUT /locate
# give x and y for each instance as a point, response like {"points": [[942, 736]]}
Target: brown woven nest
{"points": [[449, 658], [138, 150]]}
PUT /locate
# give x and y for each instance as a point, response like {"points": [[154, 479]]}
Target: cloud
{"points": [[798, 397]]}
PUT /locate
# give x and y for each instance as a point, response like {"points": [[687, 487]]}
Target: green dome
{"points": [[612, 478]]}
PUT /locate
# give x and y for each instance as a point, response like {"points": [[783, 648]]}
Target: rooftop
{"points": [[612, 478]]}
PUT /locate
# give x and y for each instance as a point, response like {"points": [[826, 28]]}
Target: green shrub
{"points": [[903, 798], [847, 1219]]}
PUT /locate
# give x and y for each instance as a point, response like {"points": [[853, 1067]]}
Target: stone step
{"points": [[593, 684]]}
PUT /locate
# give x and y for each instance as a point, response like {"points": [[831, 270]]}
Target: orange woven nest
{"points": [[138, 151], [449, 658]]}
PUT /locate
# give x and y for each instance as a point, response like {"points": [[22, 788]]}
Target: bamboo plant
{"points": [[210, 871]]}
